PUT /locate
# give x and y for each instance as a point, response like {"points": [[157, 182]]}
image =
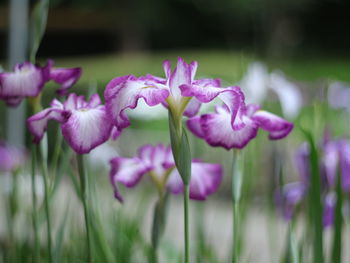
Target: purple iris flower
{"points": [[178, 91], [335, 157], [84, 124], [11, 157], [234, 129], [27, 80], [158, 163]]}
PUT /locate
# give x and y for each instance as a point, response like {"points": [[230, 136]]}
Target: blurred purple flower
{"points": [[328, 210], [289, 197], [335, 157], [218, 129], [157, 162], [27, 80], [178, 91], [84, 124], [11, 157]]}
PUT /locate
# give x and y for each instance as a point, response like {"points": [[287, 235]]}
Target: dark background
{"points": [[268, 28]]}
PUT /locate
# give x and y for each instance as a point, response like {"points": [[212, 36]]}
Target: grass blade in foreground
{"points": [[315, 205], [338, 222]]}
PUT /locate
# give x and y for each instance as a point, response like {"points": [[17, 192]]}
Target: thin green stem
{"points": [[83, 186], [34, 202], [235, 216], [46, 203], [57, 151], [186, 219], [236, 187], [338, 223]]}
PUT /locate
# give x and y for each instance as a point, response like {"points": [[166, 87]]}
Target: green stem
{"points": [[57, 151], [186, 219], [83, 185], [338, 222], [236, 187], [35, 209], [46, 202]]}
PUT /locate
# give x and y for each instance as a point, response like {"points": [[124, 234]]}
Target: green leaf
{"points": [[159, 215], [38, 22], [315, 204], [338, 222], [60, 237], [181, 148]]}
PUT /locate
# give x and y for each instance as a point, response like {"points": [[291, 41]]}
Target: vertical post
{"points": [[17, 52]]}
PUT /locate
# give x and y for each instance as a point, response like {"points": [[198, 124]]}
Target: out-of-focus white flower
{"points": [[339, 95], [254, 83], [100, 156], [257, 82], [24, 185], [288, 93]]}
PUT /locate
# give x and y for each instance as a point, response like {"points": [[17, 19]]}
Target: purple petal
{"points": [[330, 162], [192, 108], [11, 158], [292, 194], [231, 96], [183, 74], [218, 131], [329, 207], [277, 127], [156, 157], [124, 92], [302, 160], [66, 77], [26, 80], [127, 171], [195, 126], [87, 128], [205, 180], [345, 164], [37, 124]]}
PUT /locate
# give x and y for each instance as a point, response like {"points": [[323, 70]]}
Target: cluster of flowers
{"points": [[87, 124], [335, 160]]}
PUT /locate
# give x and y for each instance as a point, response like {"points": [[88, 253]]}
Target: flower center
{"points": [[83, 109]]}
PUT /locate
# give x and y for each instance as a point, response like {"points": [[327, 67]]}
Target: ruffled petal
{"points": [[182, 74], [37, 124], [26, 80], [277, 127], [66, 77], [127, 171], [205, 180], [217, 130], [124, 92], [231, 96], [87, 128]]}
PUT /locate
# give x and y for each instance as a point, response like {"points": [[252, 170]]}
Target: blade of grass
{"points": [[338, 223], [315, 204]]}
